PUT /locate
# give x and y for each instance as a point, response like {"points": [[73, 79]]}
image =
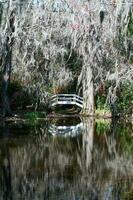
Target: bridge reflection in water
{"points": [[65, 131], [86, 127], [86, 165]]}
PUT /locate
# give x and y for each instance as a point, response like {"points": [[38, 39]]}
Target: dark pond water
{"points": [[66, 159]]}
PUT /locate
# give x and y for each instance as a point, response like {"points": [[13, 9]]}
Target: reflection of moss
{"points": [[125, 100]]}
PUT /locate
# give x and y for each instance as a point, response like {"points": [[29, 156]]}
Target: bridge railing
{"points": [[66, 99]]}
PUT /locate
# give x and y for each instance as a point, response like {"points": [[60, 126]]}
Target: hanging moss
{"points": [[1, 13]]}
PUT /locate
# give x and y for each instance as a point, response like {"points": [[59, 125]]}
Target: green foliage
{"points": [[101, 106], [33, 117], [125, 98], [100, 102], [126, 33], [124, 102], [102, 127], [130, 25]]}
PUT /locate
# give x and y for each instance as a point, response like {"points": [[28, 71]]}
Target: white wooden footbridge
{"points": [[66, 99]]}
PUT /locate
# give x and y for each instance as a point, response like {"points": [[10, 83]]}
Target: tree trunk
{"points": [[7, 65], [88, 92]]}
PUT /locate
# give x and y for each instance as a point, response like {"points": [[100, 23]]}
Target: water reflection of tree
{"points": [[49, 167], [6, 182]]}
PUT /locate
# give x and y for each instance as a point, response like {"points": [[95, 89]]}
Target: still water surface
{"points": [[66, 159]]}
